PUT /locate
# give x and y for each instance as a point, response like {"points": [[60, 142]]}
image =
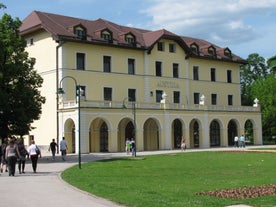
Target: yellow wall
{"points": [[43, 50], [144, 81]]}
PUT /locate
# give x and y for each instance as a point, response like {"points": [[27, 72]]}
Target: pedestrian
{"points": [[22, 158], [11, 155], [242, 141], [183, 144], [236, 141], [53, 148], [3, 157], [127, 146], [63, 148], [34, 152]]}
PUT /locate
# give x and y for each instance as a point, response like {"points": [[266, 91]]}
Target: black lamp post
{"points": [[134, 120], [60, 91]]}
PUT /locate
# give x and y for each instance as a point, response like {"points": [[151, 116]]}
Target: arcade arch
{"points": [[151, 135], [98, 136]]}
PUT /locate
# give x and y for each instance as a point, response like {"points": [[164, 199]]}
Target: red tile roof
{"points": [[61, 28]]}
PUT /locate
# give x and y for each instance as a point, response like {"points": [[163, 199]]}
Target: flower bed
{"points": [[243, 192]]}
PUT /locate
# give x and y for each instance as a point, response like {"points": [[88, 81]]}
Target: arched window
{"points": [[212, 51], [214, 134], [194, 48]]}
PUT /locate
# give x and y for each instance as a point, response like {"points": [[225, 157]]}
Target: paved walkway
{"points": [[47, 189]]}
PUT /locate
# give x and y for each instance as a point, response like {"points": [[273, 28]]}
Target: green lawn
{"points": [[172, 180]]}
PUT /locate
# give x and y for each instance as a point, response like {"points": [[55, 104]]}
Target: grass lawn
{"points": [[174, 179]]}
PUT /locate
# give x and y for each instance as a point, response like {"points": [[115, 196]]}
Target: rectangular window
{"points": [[158, 68], [213, 74], [31, 41], [214, 99], [172, 48], [176, 97], [196, 98], [107, 94], [175, 70], [107, 64], [195, 73], [230, 100], [158, 95], [229, 76], [160, 46], [132, 95], [80, 61], [131, 66]]}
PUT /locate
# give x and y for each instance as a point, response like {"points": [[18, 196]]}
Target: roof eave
{"points": [[63, 38]]}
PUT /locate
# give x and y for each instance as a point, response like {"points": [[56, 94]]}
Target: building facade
{"points": [[105, 83]]}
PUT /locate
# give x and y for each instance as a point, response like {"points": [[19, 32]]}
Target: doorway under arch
{"points": [[98, 137], [194, 134], [176, 133], [232, 131], [214, 134], [151, 135], [249, 132], [70, 135]]}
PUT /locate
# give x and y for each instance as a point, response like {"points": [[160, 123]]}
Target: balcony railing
{"points": [[157, 106]]}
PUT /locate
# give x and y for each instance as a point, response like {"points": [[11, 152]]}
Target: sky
{"points": [[244, 26]]}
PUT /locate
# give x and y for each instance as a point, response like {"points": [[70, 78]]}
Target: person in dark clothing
{"points": [[11, 155], [23, 153], [3, 157], [53, 147]]}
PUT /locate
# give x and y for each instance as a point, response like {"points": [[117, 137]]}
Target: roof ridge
{"points": [[48, 16]]}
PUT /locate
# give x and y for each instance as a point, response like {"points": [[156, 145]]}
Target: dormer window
{"points": [[227, 53], [212, 51], [80, 31], [106, 35], [194, 48], [129, 38]]}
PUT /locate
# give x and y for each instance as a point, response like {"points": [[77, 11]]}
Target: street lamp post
{"points": [[60, 91], [134, 120]]}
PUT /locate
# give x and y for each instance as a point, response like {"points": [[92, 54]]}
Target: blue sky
{"points": [[245, 26]]}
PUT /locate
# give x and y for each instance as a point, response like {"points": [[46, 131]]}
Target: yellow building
{"points": [[171, 86]]}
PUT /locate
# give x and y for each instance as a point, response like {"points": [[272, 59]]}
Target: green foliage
{"points": [[174, 179], [20, 99], [265, 90], [258, 81], [251, 72]]}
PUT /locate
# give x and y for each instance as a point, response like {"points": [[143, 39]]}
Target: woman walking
{"points": [[11, 155], [22, 159], [34, 152], [183, 144]]}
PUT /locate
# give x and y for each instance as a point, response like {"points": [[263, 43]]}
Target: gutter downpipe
{"points": [[57, 86]]}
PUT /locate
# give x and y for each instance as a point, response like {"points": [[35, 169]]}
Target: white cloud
{"points": [[221, 22]]}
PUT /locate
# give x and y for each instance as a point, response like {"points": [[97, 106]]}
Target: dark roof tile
{"points": [[60, 27]]}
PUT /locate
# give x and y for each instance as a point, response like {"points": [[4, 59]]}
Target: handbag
{"points": [[37, 150]]}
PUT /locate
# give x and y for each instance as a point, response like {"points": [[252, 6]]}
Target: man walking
{"points": [[242, 141], [63, 148], [53, 148]]}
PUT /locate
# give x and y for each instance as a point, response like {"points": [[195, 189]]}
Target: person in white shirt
{"points": [[63, 148], [34, 152], [236, 141]]}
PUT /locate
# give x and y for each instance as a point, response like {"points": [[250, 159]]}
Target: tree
{"points": [[265, 90], [20, 98], [252, 71]]}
